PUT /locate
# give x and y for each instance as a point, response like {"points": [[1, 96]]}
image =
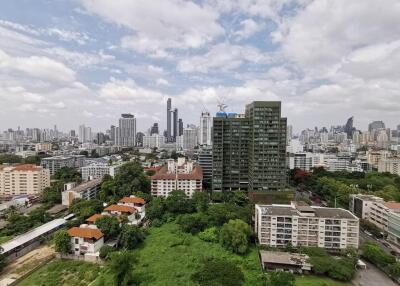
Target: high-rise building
{"points": [[113, 134], [85, 134], [249, 151], [205, 129], [180, 123], [126, 131], [139, 139], [169, 123], [154, 129], [205, 161], [376, 125], [175, 124], [348, 128]]}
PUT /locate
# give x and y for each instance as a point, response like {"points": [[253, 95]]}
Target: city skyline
{"points": [[76, 62]]}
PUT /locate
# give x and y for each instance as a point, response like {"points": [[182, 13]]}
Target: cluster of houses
{"points": [[87, 239]]}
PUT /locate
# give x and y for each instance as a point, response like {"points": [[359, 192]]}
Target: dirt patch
{"points": [[24, 264]]}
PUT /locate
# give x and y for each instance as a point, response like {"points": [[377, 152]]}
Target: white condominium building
{"points": [[385, 215], [391, 165], [303, 225], [99, 170], [181, 175], [24, 179]]}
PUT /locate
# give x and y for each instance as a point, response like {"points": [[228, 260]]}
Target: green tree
{"points": [[239, 198], [192, 223], [121, 265], [109, 226], [67, 174], [200, 201], [62, 242], [105, 251], [375, 254], [280, 278], [86, 208], [131, 179], [131, 236], [209, 234], [52, 194], [234, 236], [3, 260], [155, 209], [178, 203], [218, 272], [10, 158]]}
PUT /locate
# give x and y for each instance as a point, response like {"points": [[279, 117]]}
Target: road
{"points": [[372, 276]]}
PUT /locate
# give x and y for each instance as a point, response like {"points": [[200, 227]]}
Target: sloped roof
{"points": [[120, 208], [85, 232], [132, 200]]}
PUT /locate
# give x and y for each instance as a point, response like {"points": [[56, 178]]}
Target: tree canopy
{"points": [[234, 236]]}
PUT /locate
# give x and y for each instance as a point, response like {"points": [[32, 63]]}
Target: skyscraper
{"points": [[154, 129], [205, 129], [85, 134], [169, 129], [348, 128], [180, 123], [376, 125], [249, 151], [126, 131], [175, 124]]}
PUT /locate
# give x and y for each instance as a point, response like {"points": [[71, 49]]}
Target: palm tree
{"points": [[121, 267]]}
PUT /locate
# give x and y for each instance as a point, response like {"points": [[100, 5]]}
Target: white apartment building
{"points": [[304, 161], [85, 191], [53, 164], [391, 165], [373, 209], [24, 179], [86, 240], [303, 225], [85, 134], [99, 170], [153, 141], [189, 139], [181, 175]]}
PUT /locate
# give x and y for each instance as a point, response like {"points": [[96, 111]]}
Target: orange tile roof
{"points": [[122, 209], [85, 232], [392, 205], [132, 200], [22, 167], [94, 217]]}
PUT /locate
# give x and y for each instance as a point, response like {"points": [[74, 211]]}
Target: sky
{"points": [[87, 61]]}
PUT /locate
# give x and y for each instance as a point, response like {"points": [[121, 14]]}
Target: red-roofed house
{"points": [[86, 239], [132, 201]]}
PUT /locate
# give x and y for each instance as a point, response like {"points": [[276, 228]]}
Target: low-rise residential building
{"points": [[23, 179], [86, 239], [85, 191], [57, 162], [181, 175], [385, 215], [120, 210], [43, 147], [92, 219], [284, 261], [99, 170], [132, 201], [301, 225]]}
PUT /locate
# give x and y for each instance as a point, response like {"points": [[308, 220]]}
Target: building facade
{"points": [[205, 128], [391, 165], [99, 170], [24, 179], [126, 131], [180, 175], [85, 191], [301, 225], [249, 151], [53, 164]]}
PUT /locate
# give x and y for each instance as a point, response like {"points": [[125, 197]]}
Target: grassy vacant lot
{"points": [[168, 257], [318, 281], [63, 272]]}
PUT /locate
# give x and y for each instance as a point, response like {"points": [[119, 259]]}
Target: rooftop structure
{"points": [[274, 260]]}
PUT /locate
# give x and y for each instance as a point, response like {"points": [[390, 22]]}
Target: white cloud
{"points": [[222, 56], [37, 67], [127, 92], [68, 36], [162, 81], [248, 28], [160, 25]]}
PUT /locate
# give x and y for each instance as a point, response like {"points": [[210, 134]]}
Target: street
{"points": [[372, 276]]}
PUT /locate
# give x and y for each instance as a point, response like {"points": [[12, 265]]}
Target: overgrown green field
{"points": [[318, 281], [168, 257], [63, 272]]}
